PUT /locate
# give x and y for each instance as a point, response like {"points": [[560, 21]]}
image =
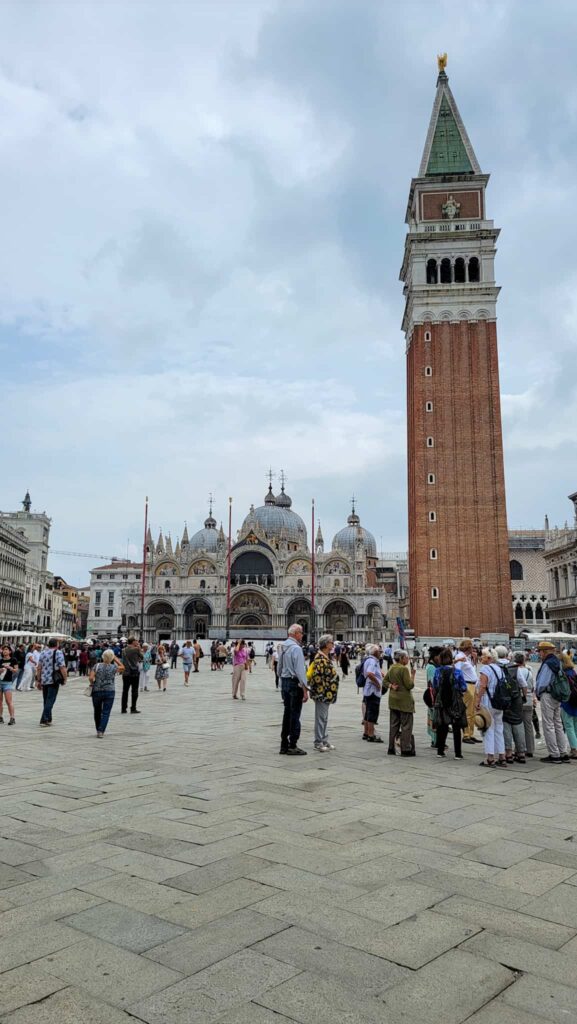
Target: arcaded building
{"points": [[458, 543], [271, 581]]}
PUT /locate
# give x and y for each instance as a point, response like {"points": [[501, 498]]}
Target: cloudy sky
{"points": [[202, 225]]}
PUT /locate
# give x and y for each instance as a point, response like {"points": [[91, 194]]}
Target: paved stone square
{"points": [[180, 871]]}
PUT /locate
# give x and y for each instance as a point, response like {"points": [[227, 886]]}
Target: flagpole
{"points": [[143, 588], [313, 624], [228, 567]]}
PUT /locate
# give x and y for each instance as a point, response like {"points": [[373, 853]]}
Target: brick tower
{"points": [[458, 546]]}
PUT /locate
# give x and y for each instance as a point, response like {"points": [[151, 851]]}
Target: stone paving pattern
{"points": [[180, 871]]}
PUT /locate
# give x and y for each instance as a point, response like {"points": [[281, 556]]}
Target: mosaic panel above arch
{"points": [[167, 568], [202, 567], [337, 566], [299, 567]]}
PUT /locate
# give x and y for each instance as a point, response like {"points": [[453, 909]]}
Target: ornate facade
{"points": [[529, 582], [13, 554], [271, 581], [561, 561]]}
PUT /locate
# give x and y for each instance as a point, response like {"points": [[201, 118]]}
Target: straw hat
{"points": [[545, 645], [483, 719]]}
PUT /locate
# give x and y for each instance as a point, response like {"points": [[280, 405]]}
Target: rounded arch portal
{"points": [[301, 611], [339, 619], [197, 618]]}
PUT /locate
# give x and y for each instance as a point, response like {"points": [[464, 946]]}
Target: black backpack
{"points": [[360, 673], [501, 699]]}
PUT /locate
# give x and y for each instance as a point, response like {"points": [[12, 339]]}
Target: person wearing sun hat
{"points": [[569, 707], [553, 733]]}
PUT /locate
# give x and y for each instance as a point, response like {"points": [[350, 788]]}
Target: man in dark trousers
{"points": [[131, 658]]}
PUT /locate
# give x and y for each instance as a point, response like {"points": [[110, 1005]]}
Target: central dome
{"points": [[345, 540], [276, 518], [206, 539]]}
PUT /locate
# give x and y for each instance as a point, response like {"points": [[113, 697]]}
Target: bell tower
{"points": [[458, 543]]}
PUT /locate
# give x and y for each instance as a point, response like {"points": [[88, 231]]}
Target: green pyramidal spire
{"points": [[447, 148]]}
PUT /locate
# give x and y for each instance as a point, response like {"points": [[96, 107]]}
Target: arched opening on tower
{"points": [[474, 271], [432, 273], [446, 275], [459, 270]]}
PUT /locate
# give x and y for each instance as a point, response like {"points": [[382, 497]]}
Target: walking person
{"points": [[434, 654], [187, 655], [251, 657], [239, 666], [491, 676], [450, 687], [131, 659], [323, 687], [344, 661], [547, 677], [399, 681], [569, 707], [294, 689], [30, 666], [102, 679], [173, 651], [83, 659], [9, 672], [198, 654], [144, 668], [50, 676], [161, 670], [513, 724]]}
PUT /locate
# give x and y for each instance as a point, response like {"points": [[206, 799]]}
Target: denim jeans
{"points": [[292, 695], [49, 695], [102, 703]]}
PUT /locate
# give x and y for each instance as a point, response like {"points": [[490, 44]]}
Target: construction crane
{"points": [[85, 554]]}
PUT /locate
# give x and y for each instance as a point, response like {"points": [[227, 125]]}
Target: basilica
{"points": [[188, 591]]}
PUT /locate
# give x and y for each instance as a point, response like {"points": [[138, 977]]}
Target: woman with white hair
{"points": [[323, 686], [491, 678], [102, 684], [400, 681]]}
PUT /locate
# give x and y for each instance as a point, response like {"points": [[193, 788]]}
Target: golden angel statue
{"points": [[442, 61]]}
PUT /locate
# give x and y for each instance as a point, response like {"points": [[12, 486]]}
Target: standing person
{"points": [[222, 655], [173, 650], [433, 664], [491, 676], [527, 684], [550, 706], [102, 679], [213, 656], [294, 690], [464, 662], [83, 659], [239, 660], [513, 725], [399, 681], [9, 671], [274, 665], [388, 655], [569, 707], [145, 668], [161, 671], [187, 655], [50, 676], [372, 690], [19, 655], [323, 685], [131, 659], [198, 654], [344, 661], [450, 688]]}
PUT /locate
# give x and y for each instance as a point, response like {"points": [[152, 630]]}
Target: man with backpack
{"points": [[551, 687], [513, 726]]}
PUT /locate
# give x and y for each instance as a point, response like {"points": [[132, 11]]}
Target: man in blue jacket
{"points": [[553, 732], [294, 689]]}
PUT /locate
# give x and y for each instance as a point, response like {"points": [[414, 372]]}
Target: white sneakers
{"points": [[323, 747]]}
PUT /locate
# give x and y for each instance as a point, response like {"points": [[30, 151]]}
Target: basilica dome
{"points": [[276, 517], [345, 539], [206, 539]]}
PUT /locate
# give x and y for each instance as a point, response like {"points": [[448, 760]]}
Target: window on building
{"points": [[459, 270], [97, 597], [431, 478], [124, 575], [167, 584], [432, 517], [429, 406], [446, 271], [137, 576], [112, 576], [516, 569], [110, 597], [97, 613], [430, 442], [110, 612], [431, 272], [435, 593], [528, 613], [518, 612], [427, 335], [98, 575], [433, 554], [539, 613], [474, 274]]}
